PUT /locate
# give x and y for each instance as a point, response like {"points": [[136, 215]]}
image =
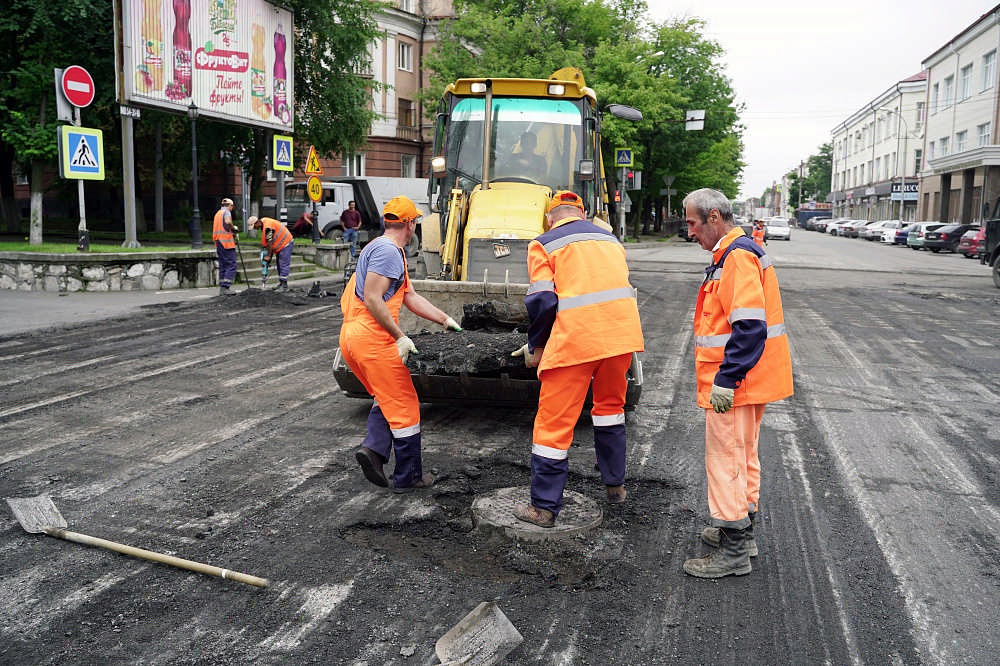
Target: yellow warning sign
{"points": [[312, 164], [314, 188]]}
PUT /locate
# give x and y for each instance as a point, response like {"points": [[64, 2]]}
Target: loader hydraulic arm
{"points": [[450, 260]]}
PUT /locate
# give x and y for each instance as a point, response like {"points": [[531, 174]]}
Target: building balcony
{"points": [[408, 133]]}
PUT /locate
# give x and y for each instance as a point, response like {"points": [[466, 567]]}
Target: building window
{"points": [[943, 144], [984, 132], [935, 97], [989, 67], [965, 82], [920, 118], [961, 139], [353, 165], [930, 150], [948, 92], [878, 167], [917, 155], [408, 166], [20, 175], [406, 113], [407, 5], [405, 61]]}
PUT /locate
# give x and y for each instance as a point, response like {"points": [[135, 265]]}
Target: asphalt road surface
{"points": [[212, 429]]}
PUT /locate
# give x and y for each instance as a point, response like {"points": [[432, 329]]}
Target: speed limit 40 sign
{"points": [[314, 188]]}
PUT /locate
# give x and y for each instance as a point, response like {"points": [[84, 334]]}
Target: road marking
{"points": [[319, 603]]}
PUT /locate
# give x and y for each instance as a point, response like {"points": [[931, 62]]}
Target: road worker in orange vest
{"points": [[376, 348], [225, 245], [584, 328], [742, 362], [276, 240], [759, 233]]}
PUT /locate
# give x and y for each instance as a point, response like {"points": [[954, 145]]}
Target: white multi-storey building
{"points": [[961, 170], [877, 153]]}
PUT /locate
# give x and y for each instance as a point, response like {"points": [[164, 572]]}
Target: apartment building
{"points": [[960, 176], [878, 152]]}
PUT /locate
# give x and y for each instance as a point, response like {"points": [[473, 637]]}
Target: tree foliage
{"points": [[814, 184]]}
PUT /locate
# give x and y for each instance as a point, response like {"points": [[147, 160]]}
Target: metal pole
{"points": [[195, 214], [128, 181], [621, 204], [83, 242], [158, 187]]}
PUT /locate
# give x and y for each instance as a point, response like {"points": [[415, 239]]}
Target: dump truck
{"points": [[489, 185]]}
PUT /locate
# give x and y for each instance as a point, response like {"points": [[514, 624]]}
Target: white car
{"points": [[889, 228], [777, 227]]}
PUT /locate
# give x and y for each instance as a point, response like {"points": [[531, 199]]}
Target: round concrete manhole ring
{"points": [[494, 511]]}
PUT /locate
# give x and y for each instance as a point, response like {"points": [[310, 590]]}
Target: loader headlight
{"points": [[478, 87], [439, 164], [557, 89]]}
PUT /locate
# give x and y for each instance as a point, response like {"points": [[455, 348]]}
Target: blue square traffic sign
{"points": [[81, 153], [623, 157]]}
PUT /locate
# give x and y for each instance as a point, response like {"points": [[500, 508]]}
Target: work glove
{"points": [[531, 359], [721, 398], [405, 347], [452, 325]]}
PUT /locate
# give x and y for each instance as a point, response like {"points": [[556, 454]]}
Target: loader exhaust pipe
{"points": [[487, 134]]}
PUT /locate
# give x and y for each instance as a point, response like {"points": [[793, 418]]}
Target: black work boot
{"points": [[710, 536], [731, 559]]}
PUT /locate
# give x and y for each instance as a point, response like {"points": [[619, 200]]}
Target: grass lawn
{"points": [[70, 248]]}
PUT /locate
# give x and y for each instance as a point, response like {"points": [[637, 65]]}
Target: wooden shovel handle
{"points": [[60, 533]]}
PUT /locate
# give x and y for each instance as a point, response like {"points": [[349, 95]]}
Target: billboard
{"points": [[232, 58]]}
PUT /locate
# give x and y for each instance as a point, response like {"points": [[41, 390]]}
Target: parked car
{"points": [[777, 227], [888, 231], [834, 226], [973, 242], [946, 237], [850, 228], [867, 230], [915, 239], [821, 224], [902, 234]]}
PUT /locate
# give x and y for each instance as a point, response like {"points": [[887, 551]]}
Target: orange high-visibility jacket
{"points": [[278, 238], [581, 304], [221, 233], [739, 326], [758, 236]]}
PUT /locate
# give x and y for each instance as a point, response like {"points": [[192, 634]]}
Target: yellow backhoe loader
{"points": [[501, 148]]}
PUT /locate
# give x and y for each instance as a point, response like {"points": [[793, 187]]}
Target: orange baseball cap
{"points": [[565, 198], [401, 208]]}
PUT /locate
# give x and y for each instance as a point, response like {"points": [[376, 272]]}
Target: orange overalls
{"points": [[740, 343], [277, 239], [370, 351], [758, 235], [225, 247], [584, 313]]}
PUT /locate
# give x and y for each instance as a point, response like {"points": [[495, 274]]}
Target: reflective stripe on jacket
{"points": [[220, 233], [580, 302], [280, 235], [739, 326]]}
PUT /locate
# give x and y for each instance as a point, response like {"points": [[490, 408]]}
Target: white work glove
{"points": [[531, 359], [405, 347], [721, 398], [452, 325]]}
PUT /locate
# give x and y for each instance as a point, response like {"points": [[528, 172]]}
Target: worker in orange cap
{"points": [[276, 240], [742, 362], [225, 245], [376, 348], [584, 328], [759, 233]]}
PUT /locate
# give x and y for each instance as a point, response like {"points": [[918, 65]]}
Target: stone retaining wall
{"points": [[108, 271]]}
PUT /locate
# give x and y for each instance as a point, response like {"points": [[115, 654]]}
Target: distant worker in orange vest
{"points": [[276, 239], [759, 233], [742, 362], [225, 245], [376, 348], [584, 327]]}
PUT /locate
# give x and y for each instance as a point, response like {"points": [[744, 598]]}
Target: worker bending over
{"points": [[276, 240], [584, 327], [375, 348]]}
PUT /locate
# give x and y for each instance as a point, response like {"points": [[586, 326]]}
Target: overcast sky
{"points": [[801, 67]]}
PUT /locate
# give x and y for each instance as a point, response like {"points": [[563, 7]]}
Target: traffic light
{"points": [[630, 180], [618, 196]]}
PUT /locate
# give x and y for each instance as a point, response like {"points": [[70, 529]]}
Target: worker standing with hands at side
{"points": [[375, 348], [276, 239], [225, 245], [759, 233], [584, 327], [742, 362]]}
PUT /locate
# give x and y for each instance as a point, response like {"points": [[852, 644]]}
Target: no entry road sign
{"points": [[78, 86]]}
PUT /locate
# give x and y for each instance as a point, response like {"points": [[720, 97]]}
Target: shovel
{"points": [[39, 514], [239, 251], [482, 638]]}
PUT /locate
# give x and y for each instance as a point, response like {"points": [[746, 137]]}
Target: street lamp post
{"points": [[195, 214]]}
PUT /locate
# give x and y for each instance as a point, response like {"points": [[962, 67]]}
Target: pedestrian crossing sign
{"points": [[281, 153], [81, 153], [623, 157]]}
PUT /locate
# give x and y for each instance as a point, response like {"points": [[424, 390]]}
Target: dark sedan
{"points": [[946, 237], [902, 234]]}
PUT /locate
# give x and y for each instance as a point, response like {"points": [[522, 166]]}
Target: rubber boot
{"points": [[731, 558], [710, 536]]}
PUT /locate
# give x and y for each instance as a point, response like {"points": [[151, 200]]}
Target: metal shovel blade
{"points": [[482, 638], [36, 513]]}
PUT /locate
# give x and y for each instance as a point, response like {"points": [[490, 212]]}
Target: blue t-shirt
{"points": [[384, 257]]}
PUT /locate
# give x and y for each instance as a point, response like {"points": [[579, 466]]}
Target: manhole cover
{"points": [[494, 511]]}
